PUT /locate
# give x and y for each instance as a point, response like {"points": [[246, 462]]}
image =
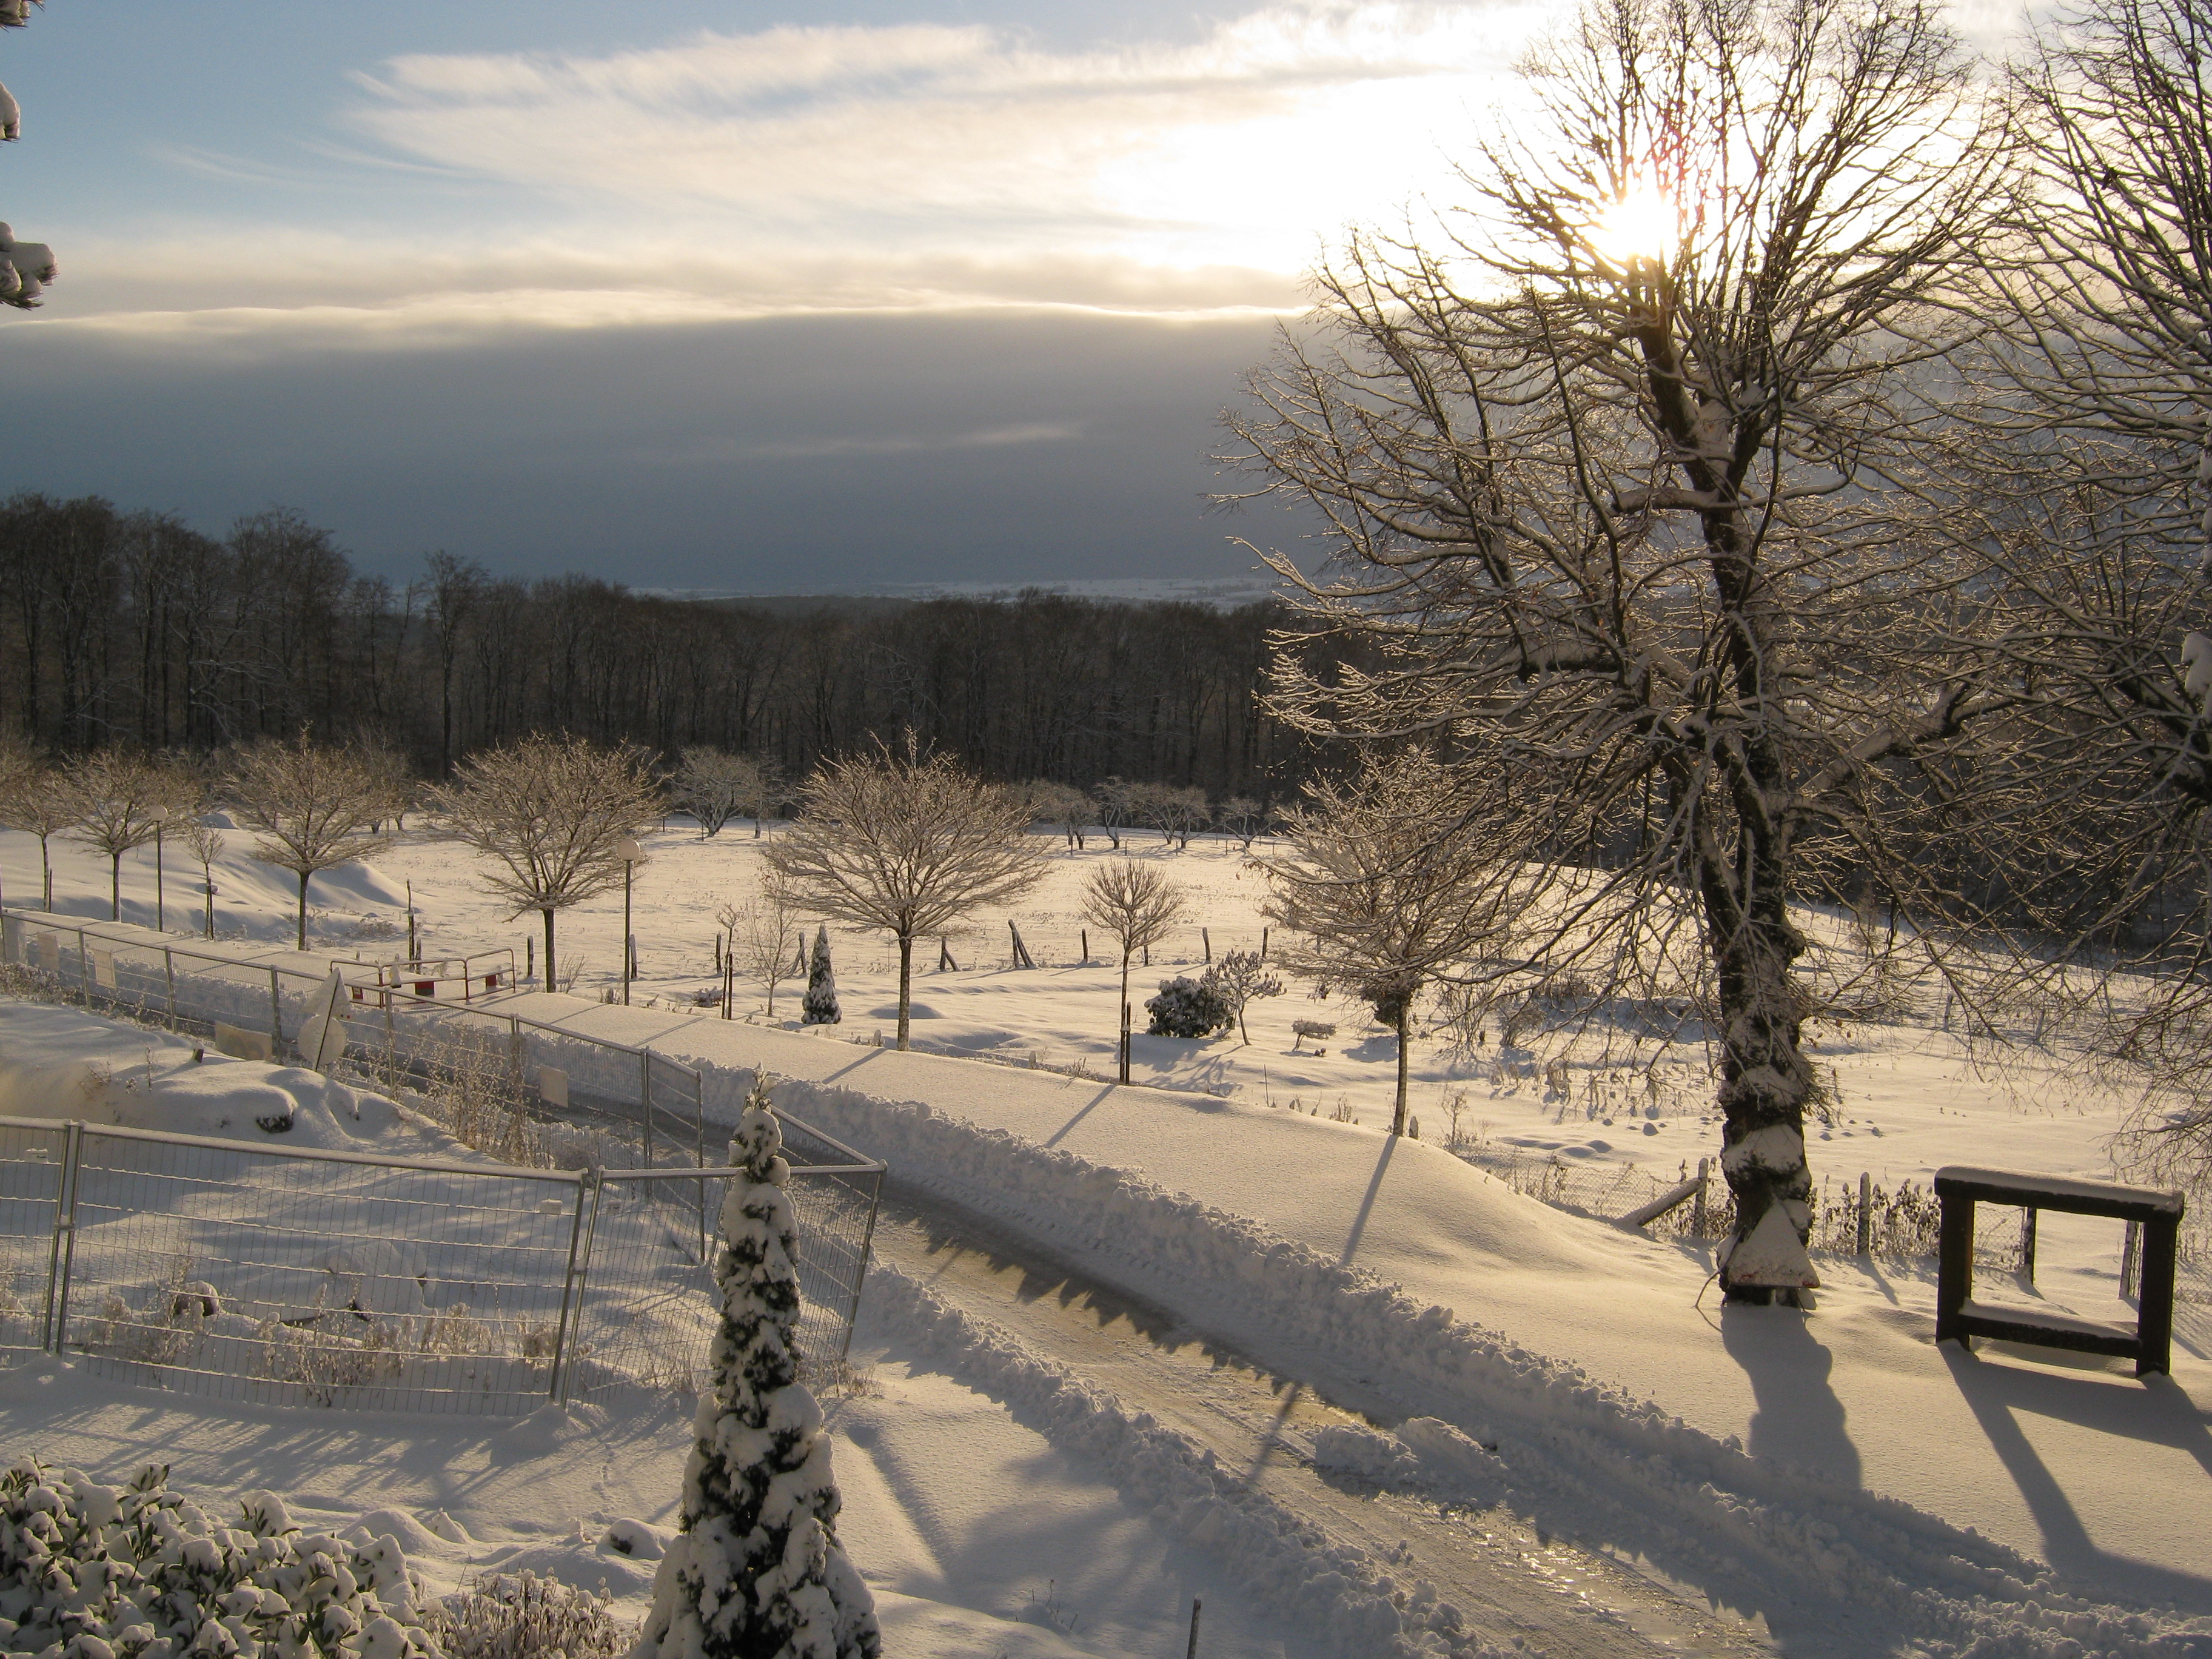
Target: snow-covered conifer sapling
{"points": [[757, 1571]]}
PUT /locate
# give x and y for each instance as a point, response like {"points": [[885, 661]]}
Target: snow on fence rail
{"points": [[489, 1288]]}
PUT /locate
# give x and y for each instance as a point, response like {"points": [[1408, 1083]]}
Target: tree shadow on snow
{"points": [[1798, 1419]]}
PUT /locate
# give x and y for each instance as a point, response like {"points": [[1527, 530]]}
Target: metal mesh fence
{"points": [[282, 1278], [345, 1279]]}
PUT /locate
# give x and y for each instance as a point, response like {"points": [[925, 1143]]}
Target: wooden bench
{"points": [[1959, 1188]]}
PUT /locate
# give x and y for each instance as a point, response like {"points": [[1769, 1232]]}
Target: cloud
{"points": [[1243, 146]]}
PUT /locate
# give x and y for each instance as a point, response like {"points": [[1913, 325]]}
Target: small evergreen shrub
{"points": [[1189, 1008], [524, 1616], [138, 1572], [819, 1006]]}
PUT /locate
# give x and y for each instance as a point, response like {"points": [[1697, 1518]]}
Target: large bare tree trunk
{"points": [[906, 984], [1405, 1025], [303, 910], [115, 887], [551, 983], [1765, 1081]]}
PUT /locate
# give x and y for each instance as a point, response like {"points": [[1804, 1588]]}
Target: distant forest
{"points": [[133, 628]]}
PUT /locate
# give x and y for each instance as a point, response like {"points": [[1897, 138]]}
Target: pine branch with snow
{"points": [[757, 1571]]}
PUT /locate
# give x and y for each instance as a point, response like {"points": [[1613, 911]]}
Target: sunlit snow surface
{"points": [[2074, 1462]]}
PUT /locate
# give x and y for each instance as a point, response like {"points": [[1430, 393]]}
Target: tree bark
{"points": [[551, 983], [906, 984], [1121, 1019], [1764, 1078], [303, 909], [1398, 1111], [115, 887]]}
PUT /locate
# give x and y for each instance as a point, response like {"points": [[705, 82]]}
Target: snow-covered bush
{"points": [[137, 1572], [525, 1616], [757, 1571], [1189, 1008], [819, 1006]]}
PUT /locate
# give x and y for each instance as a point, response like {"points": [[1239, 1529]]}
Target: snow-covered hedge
{"points": [[89, 1572]]}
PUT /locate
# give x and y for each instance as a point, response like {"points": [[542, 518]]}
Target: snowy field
{"points": [[1838, 1457]]}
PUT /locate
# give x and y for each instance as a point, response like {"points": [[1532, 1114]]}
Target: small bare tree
{"points": [[1117, 799], [909, 844], [206, 843], [1392, 882], [552, 814], [1243, 818], [33, 799], [764, 935], [1239, 976], [313, 805], [1135, 904], [1065, 807], [714, 785], [1181, 813], [118, 800]]}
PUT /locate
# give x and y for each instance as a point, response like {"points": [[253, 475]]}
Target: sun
{"points": [[1643, 223]]}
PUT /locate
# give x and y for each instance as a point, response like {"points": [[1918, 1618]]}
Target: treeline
{"points": [[133, 628]]}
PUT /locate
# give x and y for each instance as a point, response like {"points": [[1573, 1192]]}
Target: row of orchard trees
{"points": [[311, 807], [1786, 468]]}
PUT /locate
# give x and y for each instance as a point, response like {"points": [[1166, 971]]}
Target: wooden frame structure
{"points": [[2157, 1213]]}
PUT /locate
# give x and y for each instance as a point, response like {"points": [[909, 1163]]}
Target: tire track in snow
{"points": [[1104, 1374]]}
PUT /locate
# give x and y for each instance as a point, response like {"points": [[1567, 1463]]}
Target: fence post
{"points": [[645, 1093], [2027, 1244], [169, 977], [275, 1019], [569, 1285], [84, 967], [1866, 1213], [860, 1278], [1698, 1205], [2130, 1254], [64, 1249], [581, 1276]]}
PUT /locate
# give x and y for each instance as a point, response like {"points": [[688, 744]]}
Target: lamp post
{"points": [[629, 853], [160, 817]]}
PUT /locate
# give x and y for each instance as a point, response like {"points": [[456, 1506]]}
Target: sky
{"points": [[745, 296]]}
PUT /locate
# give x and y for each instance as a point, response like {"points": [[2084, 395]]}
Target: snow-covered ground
{"points": [[1784, 1465]]}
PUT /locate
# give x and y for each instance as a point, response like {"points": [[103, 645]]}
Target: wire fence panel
{"points": [[243, 1273], [32, 1169], [318, 1279], [649, 1311]]}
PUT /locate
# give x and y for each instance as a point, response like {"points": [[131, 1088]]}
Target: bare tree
{"points": [[1065, 807], [713, 787], [1181, 813], [1239, 976], [765, 935], [1135, 904], [118, 801], [43, 805], [1243, 818], [314, 806], [1606, 464], [907, 844], [1117, 799], [206, 843], [2085, 475], [1392, 882], [552, 814]]}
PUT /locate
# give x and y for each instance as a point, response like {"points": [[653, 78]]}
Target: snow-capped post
{"points": [[819, 1006], [26, 268], [757, 1571]]}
